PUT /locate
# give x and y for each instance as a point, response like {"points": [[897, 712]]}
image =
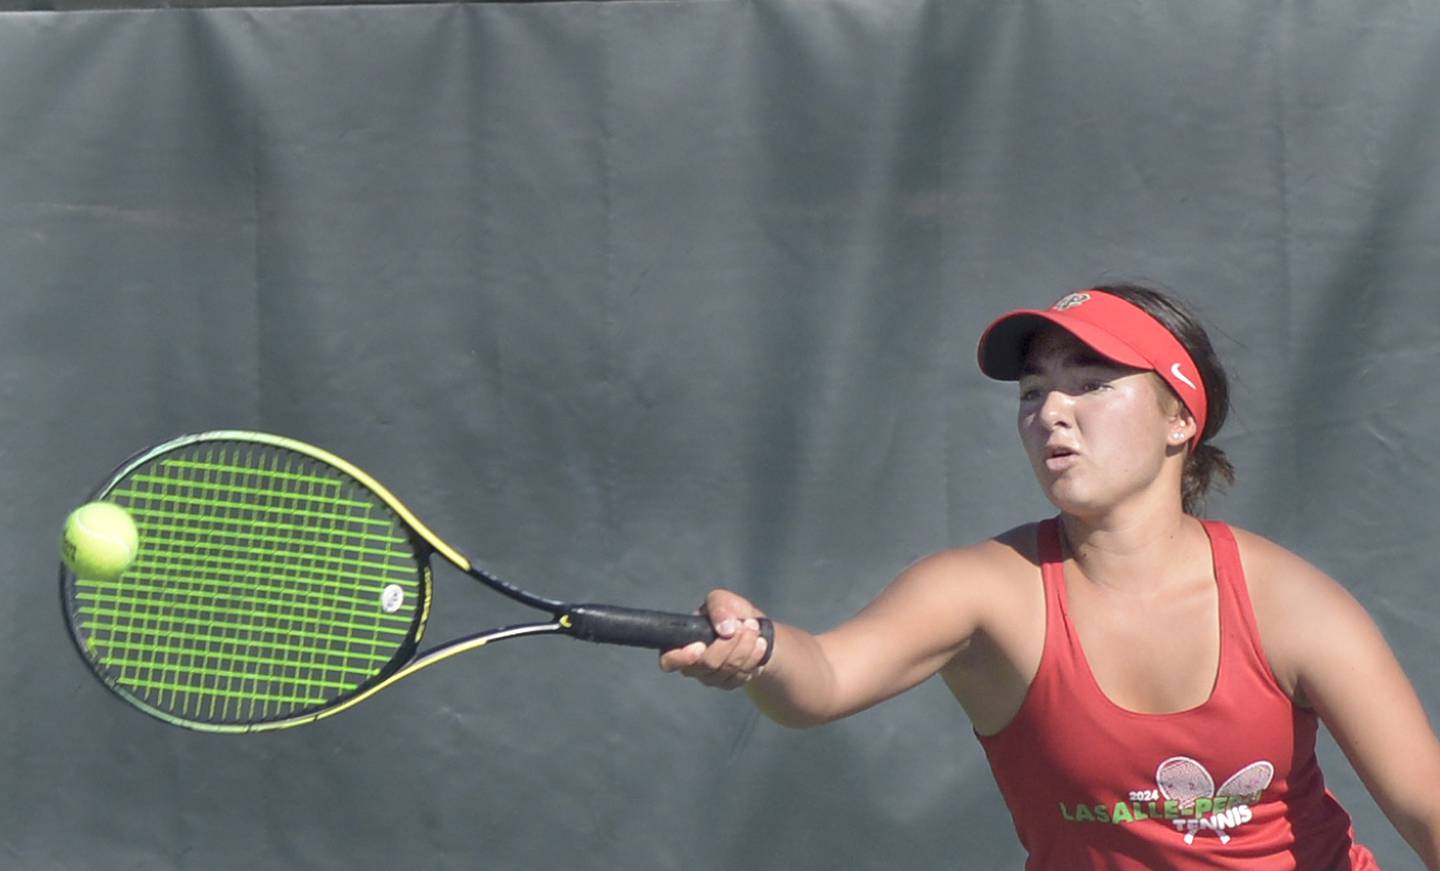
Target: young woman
{"points": [[1146, 684]]}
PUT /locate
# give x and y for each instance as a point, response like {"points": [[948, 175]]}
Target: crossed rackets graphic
{"points": [[1184, 780]]}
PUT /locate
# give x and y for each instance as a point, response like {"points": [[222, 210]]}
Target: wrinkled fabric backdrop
{"points": [[631, 299]]}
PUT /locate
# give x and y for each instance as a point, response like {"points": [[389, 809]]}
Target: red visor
{"points": [[1110, 326]]}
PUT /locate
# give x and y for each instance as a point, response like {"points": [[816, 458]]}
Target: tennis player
{"points": [[1145, 684]]}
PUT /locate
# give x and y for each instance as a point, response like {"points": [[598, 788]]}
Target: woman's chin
{"points": [[1072, 499]]}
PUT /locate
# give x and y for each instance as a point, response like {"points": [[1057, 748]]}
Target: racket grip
{"points": [[657, 630]]}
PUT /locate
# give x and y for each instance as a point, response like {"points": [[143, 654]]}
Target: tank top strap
{"points": [[1237, 616], [1059, 636]]}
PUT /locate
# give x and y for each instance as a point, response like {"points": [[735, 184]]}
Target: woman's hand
{"points": [[733, 658]]}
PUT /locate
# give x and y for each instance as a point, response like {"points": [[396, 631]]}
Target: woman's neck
{"points": [[1122, 550]]}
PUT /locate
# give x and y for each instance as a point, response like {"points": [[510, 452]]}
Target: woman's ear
{"points": [[1179, 418], [1182, 425]]}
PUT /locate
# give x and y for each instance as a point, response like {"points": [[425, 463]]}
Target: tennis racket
{"points": [[276, 584]]}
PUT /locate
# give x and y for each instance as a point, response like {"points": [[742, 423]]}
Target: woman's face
{"points": [[1096, 432]]}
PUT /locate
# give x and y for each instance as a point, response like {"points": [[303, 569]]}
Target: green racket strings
{"points": [[266, 584]]}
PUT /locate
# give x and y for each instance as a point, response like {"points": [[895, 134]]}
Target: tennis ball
{"points": [[99, 541]]}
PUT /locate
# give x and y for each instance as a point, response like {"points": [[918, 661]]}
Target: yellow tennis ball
{"points": [[99, 541]]}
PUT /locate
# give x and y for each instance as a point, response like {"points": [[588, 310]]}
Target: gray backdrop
{"points": [[630, 299]]}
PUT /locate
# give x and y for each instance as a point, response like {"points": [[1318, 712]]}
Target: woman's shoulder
{"points": [[1275, 569], [1008, 559], [1283, 584], [1299, 609], [1012, 548]]}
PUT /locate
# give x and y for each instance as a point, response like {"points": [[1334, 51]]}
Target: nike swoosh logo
{"points": [[1175, 370]]}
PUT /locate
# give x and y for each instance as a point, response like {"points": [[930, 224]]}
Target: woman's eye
{"points": [[1092, 386]]}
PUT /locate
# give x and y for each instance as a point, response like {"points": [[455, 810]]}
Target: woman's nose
{"points": [[1057, 409]]}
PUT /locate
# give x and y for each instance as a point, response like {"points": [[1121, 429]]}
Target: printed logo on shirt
{"points": [[1185, 796]]}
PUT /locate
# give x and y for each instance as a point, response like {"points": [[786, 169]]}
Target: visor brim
{"points": [[1003, 345]]}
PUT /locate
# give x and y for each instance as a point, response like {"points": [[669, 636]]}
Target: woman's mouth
{"points": [[1058, 459]]}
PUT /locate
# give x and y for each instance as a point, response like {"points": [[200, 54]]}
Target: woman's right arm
{"points": [[919, 623]]}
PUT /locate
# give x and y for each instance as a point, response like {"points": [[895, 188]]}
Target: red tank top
{"points": [[1232, 783]]}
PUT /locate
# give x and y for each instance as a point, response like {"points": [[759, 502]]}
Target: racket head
{"points": [[1253, 779], [273, 584], [1182, 779]]}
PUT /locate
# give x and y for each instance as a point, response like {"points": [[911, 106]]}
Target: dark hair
{"points": [[1206, 464]]}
